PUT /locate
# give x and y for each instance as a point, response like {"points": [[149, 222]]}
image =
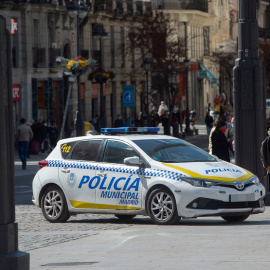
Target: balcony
{"points": [[201, 5]]}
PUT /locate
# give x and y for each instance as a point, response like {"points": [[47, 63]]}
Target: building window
{"points": [[206, 40], [112, 47], [123, 46]]}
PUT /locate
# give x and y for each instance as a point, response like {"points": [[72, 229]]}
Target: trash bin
{"points": [[86, 126]]}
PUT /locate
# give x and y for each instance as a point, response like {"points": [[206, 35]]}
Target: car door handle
{"points": [[102, 174], [65, 170]]}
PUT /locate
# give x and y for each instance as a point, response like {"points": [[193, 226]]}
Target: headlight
{"points": [[198, 182], [255, 181]]}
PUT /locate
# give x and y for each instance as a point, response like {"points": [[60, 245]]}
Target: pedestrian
{"points": [[53, 132], [265, 151], [154, 118], [44, 136], [166, 124], [220, 144], [230, 135], [118, 122], [209, 122], [162, 109], [96, 123], [210, 135], [24, 135]]}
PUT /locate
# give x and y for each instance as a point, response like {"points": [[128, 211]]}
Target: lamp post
{"points": [[187, 130], [99, 31], [146, 64], [249, 93], [78, 9]]}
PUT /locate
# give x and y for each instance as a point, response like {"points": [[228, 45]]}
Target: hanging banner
{"points": [[16, 92]]}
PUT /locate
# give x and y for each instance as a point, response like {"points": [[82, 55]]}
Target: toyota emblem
{"points": [[239, 185]]}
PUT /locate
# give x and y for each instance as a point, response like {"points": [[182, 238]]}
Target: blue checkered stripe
{"points": [[115, 168]]}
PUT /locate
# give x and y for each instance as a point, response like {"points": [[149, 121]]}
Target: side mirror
{"points": [[132, 161]]}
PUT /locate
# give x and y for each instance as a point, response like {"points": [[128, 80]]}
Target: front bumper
{"points": [[219, 201]]}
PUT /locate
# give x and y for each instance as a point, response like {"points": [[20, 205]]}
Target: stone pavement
{"points": [[104, 242]]}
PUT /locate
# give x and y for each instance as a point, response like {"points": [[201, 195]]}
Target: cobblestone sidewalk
{"points": [[35, 232]]}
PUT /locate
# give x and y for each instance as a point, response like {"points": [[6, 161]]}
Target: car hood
{"points": [[217, 171]]}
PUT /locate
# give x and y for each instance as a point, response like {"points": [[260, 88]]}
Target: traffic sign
{"points": [[128, 96]]}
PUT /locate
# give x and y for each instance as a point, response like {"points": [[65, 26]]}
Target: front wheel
{"points": [[235, 218], [54, 205], [162, 208]]}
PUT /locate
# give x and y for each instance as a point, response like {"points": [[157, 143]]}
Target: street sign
{"points": [[128, 96]]}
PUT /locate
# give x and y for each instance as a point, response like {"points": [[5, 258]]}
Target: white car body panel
{"points": [[92, 187]]}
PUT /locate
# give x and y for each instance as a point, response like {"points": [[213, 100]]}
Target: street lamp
{"points": [[99, 31], [146, 64], [230, 61], [77, 8], [187, 130]]}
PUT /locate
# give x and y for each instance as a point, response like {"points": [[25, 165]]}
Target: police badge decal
{"points": [[71, 180]]}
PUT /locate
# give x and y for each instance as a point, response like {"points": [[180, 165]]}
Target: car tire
{"points": [[235, 218], [54, 205], [161, 207], [125, 217]]}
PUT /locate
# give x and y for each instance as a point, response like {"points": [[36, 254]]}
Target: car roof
{"points": [[125, 137]]}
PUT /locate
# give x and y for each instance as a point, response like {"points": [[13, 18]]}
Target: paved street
{"points": [[103, 241]]}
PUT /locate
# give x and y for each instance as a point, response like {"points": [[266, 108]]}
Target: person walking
{"points": [[210, 135], [220, 144], [53, 132], [118, 122], [265, 152], [24, 135], [209, 122], [230, 135]]}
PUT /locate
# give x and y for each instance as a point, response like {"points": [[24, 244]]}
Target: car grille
{"points": [[210, 204], [233, 186]]}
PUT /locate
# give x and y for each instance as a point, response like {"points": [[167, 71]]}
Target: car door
{"points": [[78, 174], [120, 184]]}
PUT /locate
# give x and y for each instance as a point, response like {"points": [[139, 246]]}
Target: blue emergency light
{"points": [[130, 130]]}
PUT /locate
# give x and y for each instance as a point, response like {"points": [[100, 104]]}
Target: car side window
{"points": [[116, 152], [86, 150]]}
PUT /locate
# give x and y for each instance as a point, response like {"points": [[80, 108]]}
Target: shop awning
{"points": [[204, 73]]}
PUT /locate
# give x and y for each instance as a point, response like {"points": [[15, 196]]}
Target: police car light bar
{"points": [[130, 130]]}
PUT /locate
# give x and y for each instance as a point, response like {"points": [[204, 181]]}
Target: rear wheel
{"points": [[235, 218], [54, 205], [125, 217], [161, 207]]}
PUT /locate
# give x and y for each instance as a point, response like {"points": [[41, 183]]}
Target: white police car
{"points": [[127, 174]]}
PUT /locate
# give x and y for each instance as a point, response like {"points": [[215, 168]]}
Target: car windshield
{"points": [[173, 151], [267, 103]]}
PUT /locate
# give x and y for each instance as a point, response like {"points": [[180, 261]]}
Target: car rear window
{"points": [[86, 150], [173, 151]]}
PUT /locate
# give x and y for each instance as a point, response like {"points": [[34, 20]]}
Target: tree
{"points": [[264, 46], [157, 38]]}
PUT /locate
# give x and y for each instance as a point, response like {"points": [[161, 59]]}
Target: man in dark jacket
{"points": [[265, 151], [220, 144]]}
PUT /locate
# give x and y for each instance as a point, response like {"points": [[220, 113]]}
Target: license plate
{"points": [[242, 197]]}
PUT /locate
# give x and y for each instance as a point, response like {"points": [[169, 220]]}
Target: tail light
{"points": [[42, 164]]}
